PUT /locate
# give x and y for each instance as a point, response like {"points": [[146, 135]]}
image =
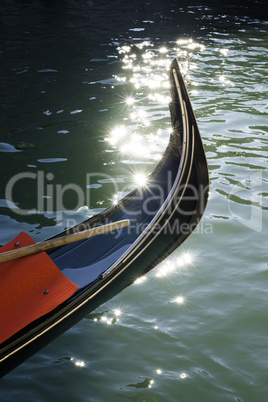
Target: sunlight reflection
{"points": [[190, 44], [139, 115], [117, 134], [120, 79], [147, 55], [145, 68], [124, 49], [130, 100], [140, 280], [112, 317], [140, 179], [151, 383], [225, 81], [184, 41], [143, 44], [79, 363], [163, 49], [159, 98], [117, 312], [174, 265], [186, 259], [134, 148], [166, 269], [115, 199], [223, 51], [179, 300]]}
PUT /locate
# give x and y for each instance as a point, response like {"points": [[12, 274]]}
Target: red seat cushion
{"points": [[29, 288]]}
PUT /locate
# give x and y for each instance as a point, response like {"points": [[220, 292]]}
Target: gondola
{"points": [[89, 272]]}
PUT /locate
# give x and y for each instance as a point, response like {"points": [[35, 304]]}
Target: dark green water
{"points": [[84, 109]]}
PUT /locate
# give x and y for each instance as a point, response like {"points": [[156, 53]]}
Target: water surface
{"points": [[84, 102]]}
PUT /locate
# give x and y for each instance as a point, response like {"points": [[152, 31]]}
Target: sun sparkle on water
{"points": [[117, 312], [163, 50], [140, 280], [186, 259], [79, 363], [117, 134], [130, 100], [140, 179], [179, 300], [145, 71]]}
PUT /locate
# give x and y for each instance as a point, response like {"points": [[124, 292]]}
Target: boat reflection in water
{"points": [[163, 211]]}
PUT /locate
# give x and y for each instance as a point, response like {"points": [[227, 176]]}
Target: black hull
{"points": [[177, 218]]}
